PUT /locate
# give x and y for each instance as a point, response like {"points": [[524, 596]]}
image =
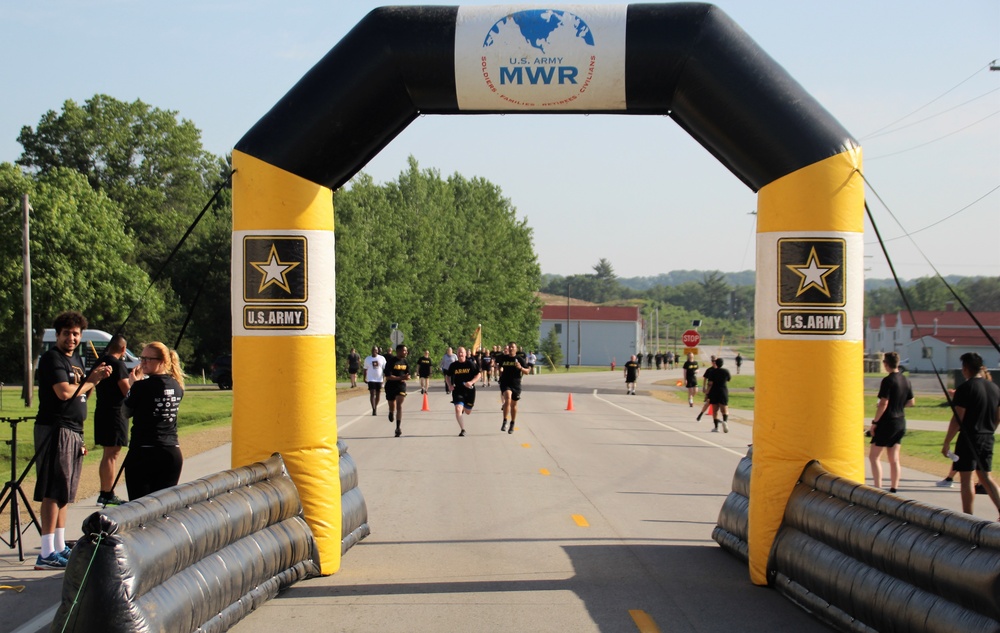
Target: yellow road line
{"points": [[525, 445], [643, 621], [582, 522], [544, 471]]}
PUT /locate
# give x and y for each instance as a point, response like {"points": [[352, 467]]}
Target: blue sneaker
{"points": [[66, 552], [54, 560]]}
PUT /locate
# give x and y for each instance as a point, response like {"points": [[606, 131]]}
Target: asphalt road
{"points": [[595, 519]]}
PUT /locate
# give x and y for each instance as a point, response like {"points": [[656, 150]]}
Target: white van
{"points": [[91, 347]]}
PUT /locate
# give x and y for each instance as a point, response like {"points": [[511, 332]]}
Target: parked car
{"points": [[222, 371], [91, 347]]}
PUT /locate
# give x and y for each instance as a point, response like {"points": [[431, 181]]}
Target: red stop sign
{"points": [[691, 338]]}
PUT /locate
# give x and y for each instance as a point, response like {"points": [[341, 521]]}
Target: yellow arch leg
{"points": [[809, 331], [283, 303]]}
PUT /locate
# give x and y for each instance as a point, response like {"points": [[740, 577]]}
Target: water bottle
{"points": [[953, 456]]}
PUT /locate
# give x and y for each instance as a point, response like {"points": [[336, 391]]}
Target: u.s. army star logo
{"points": [[811, 272], [274, 269]]}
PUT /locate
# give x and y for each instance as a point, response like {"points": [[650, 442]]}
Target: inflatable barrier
{"points": [[195, 557], [354, 512], [731, 531], [865, 560]]}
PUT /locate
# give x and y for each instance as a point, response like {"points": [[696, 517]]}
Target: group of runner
{"points": [[461, 371]]}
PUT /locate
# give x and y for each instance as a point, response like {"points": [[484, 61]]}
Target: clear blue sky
{"points": [[635, 190]]}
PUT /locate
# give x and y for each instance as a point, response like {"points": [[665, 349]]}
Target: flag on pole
{"points": [[477, 339]]}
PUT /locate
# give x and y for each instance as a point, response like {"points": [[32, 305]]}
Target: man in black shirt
{"points": [[424, 366], [691, 378], [110, 424], [463, 373], [718, 395], [631, 375], [977, 407], [513, 365], [62, 407], [397, 372]]}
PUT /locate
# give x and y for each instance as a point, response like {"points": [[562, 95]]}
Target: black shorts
{"points": [[691, 383], [979, 459], [110, 427], [59, 462], [889, 432], [351, 369], [375, 386], [394, 388], [721, 399], [515, 390], [466, 397]]}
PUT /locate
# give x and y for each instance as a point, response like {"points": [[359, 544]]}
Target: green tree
{"points": [[715, 294], [152, 166], [79, 258], [412, 252], [552, 349]]}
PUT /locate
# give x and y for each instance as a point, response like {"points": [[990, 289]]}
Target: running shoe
{"points": [[52, 561], [945, 483], [461, 433], [66, 552], [503, 427], [398, 432], [112, 500], [391, 418], [725, 427], [511, 429], [715, 429]]}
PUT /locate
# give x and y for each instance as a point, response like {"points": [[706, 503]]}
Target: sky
{"points": [[909, 79]]}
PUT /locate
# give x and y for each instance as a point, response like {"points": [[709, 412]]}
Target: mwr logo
{"points": [[812, 272], [539, 58], [274, 269], [812, 321]]}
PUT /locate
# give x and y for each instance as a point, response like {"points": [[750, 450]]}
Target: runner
{"points": [[463, 373], [513, 365]]}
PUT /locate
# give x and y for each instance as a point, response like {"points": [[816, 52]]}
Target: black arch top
{"points": [[688, 60]]}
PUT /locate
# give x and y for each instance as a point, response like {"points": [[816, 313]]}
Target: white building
{"points": [[598, 335], [937, 339]]}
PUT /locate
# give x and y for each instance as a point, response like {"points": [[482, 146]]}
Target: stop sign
{"points": [[691, 338]]}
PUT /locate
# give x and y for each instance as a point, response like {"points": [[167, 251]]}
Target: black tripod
{"points": [[12, 490]]}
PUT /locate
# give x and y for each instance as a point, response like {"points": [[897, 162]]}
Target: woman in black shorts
{"points": [[889, 424]]}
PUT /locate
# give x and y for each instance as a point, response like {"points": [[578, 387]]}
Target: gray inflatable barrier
{"points": [[196, 557], [731, 530], [353, 511], [865, 560]]}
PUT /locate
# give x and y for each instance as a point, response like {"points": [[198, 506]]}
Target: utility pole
{"points": [[29, 388], [567, 324]]}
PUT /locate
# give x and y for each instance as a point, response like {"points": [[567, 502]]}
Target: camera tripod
{"points": [[12, 491]]}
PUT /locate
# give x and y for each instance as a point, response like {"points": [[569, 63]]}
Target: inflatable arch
{"points": [[689, 61]]}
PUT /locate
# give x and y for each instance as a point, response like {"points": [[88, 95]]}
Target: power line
{"points": [[909, 125], [948, 217], [935, 99], [940, 138]]}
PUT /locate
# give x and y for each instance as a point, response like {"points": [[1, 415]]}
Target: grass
{"points": [[200, 410]]}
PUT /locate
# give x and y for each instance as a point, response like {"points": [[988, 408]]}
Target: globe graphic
{"points": [[541, 29]]}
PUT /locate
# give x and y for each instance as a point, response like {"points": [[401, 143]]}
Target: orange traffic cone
{"points": [[569, 403], [427, 404], [680, 383], [709, 409]]}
